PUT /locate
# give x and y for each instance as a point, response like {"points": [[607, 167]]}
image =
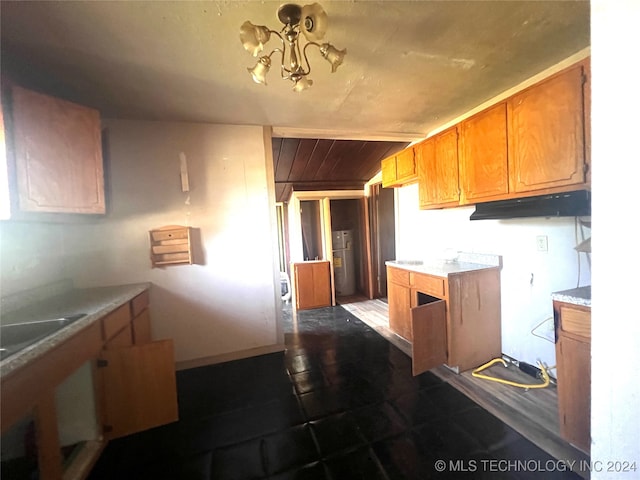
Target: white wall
{"points": [[227, 304], [426, 234], [615, 347], [31, 255]]}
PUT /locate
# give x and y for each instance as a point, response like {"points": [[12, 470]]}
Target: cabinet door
{"points": [[448, 189], [574, 390], [547, 147], [429, 333], [58, 155], [483, 155], [438, 170], [389, 175], [427, 174], [399, 298], [405, 166], [139, 388], [313, 285]]}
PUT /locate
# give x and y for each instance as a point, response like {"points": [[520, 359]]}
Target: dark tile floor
{"points": [[340, 403]]}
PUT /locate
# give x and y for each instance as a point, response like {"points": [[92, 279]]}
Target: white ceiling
{"points": [[410, 66]]}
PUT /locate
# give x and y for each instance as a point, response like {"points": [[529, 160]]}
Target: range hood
{"points": [[568, 204]]}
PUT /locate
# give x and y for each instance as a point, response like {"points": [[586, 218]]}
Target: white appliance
{"points": [[343, 264]]}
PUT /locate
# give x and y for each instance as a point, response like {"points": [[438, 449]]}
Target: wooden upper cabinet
{"points": [[425, 162], [400, 169], [58, 155], [406, 166], [586, 88], [437, 161], [547, 134], [388, 167], [484, 172]]}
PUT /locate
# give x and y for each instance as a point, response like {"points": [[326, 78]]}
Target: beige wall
{"points": [[228, 303]]}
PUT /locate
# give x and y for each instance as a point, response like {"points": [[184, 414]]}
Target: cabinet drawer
{"points": [[575, 321], [165, 235], [428, 284], [139, 303], [115, 321], [397, 275]]}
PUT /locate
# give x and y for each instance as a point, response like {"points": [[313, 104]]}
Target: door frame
{"points": [[377, 277], [296, 250]]}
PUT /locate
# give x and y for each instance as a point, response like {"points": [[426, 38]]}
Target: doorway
{"points": [[310, 221], [383, 235], [349, 249]]}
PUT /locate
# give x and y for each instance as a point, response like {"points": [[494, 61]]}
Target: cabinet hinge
{"points": [[585, 168], [100, 363], [107, 428]]}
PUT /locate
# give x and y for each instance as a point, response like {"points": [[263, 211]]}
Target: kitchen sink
{"points": [[16, 336]]}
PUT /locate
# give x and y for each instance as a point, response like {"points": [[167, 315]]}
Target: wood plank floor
{"points": [[533, 412]]}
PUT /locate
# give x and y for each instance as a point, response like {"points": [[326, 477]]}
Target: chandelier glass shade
{"points": [[311, 21]]}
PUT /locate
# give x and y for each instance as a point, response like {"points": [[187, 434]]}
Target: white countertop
{"points": [[439, 269], [95, 302], [466, 262], [575, 296]]}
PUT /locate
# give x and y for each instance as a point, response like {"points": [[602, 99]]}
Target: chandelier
{"points": [[311, 20]]}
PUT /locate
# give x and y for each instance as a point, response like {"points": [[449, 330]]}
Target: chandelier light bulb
{"points": [[334, 56], [310, 21], [302, 84], [259, 72], [253, 37]]}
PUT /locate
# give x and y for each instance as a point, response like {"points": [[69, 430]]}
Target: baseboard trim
{"points": [[227, 357]]}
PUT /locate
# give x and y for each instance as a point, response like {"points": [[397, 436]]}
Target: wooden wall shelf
{"points": [[170, 245]]}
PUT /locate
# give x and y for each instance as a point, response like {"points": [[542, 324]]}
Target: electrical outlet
{"points": [[542, 243]]}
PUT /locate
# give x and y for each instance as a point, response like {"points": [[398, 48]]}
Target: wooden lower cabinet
{"points": [[453, 320], [139, 388], [573, 359], [429, 331], [399, 300], [132, 384], [137, 380], [312, 282]]}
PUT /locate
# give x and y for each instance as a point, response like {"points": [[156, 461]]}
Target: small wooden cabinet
{"points": [[437, 161], [171, 245], [547, 134], [573, 359], [57, 153], [453, 320], [312, 281], [484, 172], [399, 169]]}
